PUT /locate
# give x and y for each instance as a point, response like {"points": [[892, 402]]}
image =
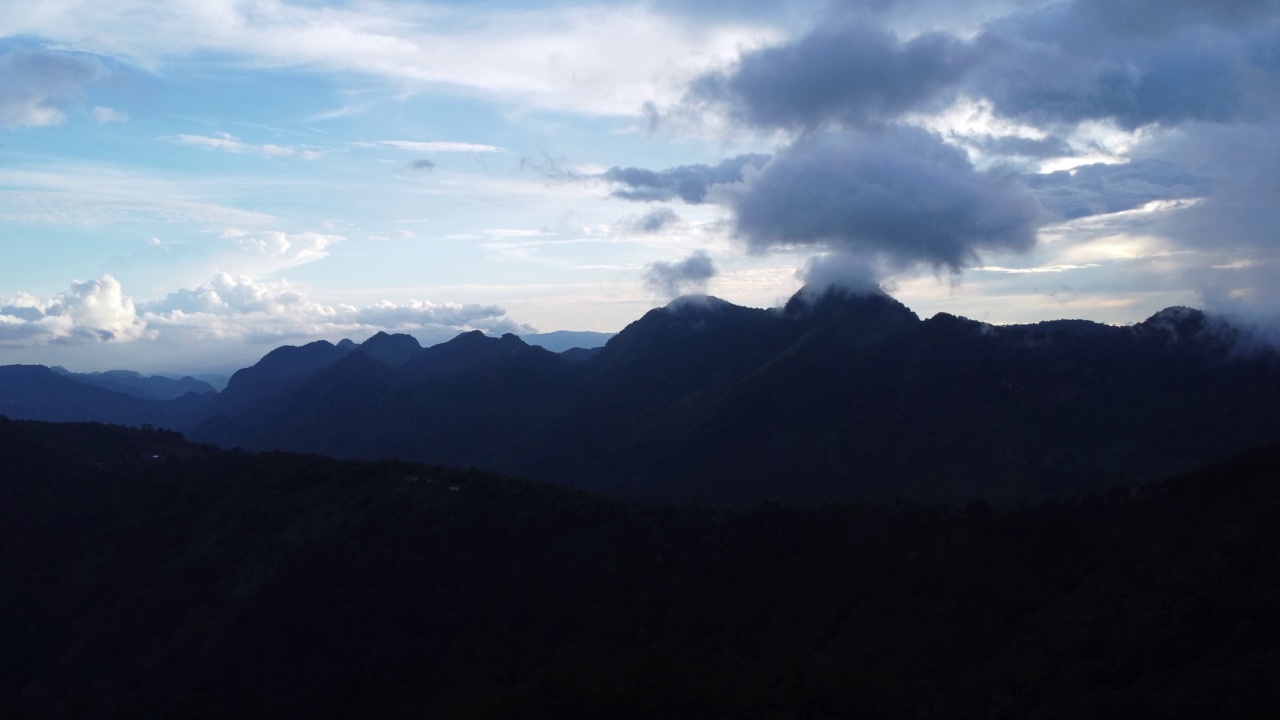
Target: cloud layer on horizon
{"points": [[229, 307]]}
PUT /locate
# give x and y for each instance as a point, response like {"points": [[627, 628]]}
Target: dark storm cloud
{"points": [[36, 86], [901, 194], [855, 75], [688, 183], [1099, 188], [1155, 16], [1076, 62], [1139, 63], [680, 278]]}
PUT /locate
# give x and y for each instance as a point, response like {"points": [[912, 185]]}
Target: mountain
{"points": [[391, 350], [261, 383], [145, 577], [835, 397], [156, 387], [35, 392]]}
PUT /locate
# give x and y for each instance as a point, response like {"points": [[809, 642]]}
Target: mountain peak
{"points": [[391, 349], [697, 304], [1179, 323], [849, 316]]}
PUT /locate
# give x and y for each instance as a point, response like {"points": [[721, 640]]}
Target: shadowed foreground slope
{"points": [[145, 577]]}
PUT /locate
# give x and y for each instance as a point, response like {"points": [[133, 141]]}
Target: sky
{"points": [[187, 184]]}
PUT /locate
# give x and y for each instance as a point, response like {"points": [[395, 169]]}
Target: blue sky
{"points": [[186, 185]]}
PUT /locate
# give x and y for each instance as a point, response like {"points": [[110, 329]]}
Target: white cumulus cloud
{"points": [[92, 311]]}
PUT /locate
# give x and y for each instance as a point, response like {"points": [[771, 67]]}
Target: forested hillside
{"points": [[142, 576]]}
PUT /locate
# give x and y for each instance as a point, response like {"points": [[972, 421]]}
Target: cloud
{"points": [[270, 250], [421, 164], [1151, 17], [106, 115], [855, 75], [227, 295], [1135, 64], [901, 194], [840, 270], [689, 183], [423, 313], [654, 220], [603, 59], [1099, 189], [36, 86], [688, 276], [395, 235], [89, 312], [437, 146], [232, 144], [237, 307]]}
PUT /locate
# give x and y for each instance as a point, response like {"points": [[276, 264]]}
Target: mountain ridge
{"points": [[833, 397]]}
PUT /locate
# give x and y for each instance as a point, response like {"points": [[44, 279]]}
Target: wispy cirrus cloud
{"points": [[438, 146], [232, 144], [596, 59]]}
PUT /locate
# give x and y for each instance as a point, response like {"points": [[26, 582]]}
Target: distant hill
{"points": [[35, 392], [142, 576], [156, 387]]}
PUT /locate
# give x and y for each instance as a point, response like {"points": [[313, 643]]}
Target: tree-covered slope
{"points": [[141, 576]]}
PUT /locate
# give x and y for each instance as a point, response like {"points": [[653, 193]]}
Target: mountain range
{"points": [[834, 397]]}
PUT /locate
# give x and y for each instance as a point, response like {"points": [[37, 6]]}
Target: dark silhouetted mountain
{"points": [[391, 350], [145, 577], [36, 392], [461, 353], [579, 354], [263, 382], [156, 387], [833, 397], [216, 381]]}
